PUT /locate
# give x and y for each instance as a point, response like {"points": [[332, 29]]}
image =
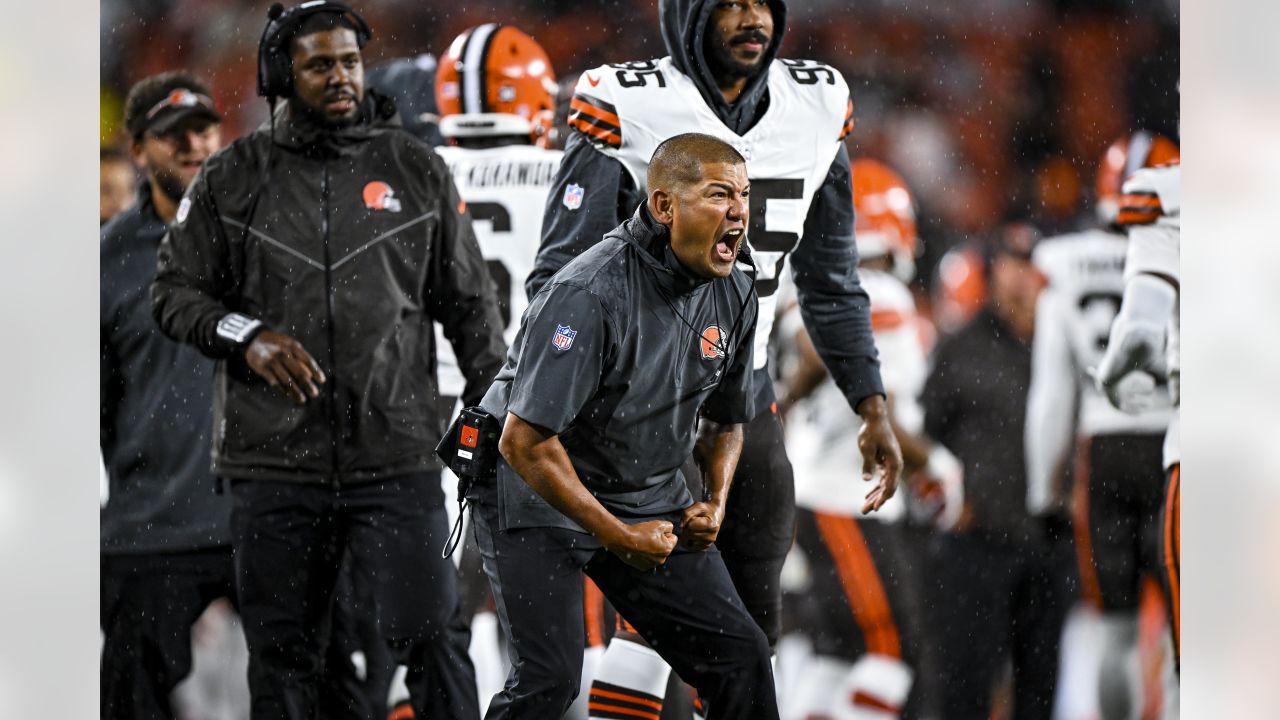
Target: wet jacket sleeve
{"points": [[194, 275], [460, 294], [609, 196], [567, 343], [833, 303], [732, 401]]}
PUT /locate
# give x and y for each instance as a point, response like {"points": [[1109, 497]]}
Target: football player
{"points": [[1145, 335], [1117, 489], [862, 606], [788, 119]]}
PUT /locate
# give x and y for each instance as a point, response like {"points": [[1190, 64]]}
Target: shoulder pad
{"points": [[592, 111], [1149, 194], [820, 84]]}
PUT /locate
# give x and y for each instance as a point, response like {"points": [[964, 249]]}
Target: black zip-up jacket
{"points": [[359, 241], [156, 407], [618, 355], [835, 307]]}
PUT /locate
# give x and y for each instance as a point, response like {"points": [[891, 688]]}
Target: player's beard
{"points": [[170, 183], [317, 117], [722, 63]]}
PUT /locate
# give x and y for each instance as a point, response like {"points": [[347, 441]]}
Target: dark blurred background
{"points": [[994, 110]]}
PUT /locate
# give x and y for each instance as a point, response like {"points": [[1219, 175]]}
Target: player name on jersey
{"points": [[504, 173]]}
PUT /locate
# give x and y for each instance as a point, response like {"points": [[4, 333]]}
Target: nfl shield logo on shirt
{"points": [[563, 339], [573, 197]]}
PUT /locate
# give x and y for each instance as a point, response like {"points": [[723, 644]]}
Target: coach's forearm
{"points": [[539, 458], [721, 460]]}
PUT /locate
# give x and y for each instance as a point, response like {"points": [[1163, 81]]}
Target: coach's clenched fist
{"points": [[645, 545]]}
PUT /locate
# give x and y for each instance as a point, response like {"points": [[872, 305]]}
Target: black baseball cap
{"points": [[160, 102]]}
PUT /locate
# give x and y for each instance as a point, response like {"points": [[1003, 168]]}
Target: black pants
{"points": [[147, 606], [1118, 495], [687, 610], [289, 540], [351, 691], [992, 601], [760, 521]]}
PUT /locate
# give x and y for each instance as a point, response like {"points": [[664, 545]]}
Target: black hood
{"points": [[684, 26]]}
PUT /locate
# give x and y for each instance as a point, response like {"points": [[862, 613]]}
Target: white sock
{"points": [[790, 660], [630, 676], [876, 688], [1120, 691], [816, 692]]}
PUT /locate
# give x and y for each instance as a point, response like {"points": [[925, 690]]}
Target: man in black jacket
{"points": [[614, 362], [311, 259], [166, 546], [1001, 581]]}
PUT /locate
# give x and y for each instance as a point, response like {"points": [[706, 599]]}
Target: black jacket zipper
{"points": [[335, 425]]}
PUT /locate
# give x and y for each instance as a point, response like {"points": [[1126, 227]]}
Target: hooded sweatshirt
{"points": [[594, 191]]}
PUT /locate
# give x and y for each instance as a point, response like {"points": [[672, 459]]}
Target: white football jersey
{"points": [[822, 430], [630, 108], [1152, 208], [1074, 314], [505, 189]]}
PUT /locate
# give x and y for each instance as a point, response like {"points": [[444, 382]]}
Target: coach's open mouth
{"points": [[727, 245]]}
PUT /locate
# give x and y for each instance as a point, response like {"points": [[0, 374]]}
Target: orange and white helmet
{"points": [[884, 216], [1123, 158], [495, 80]]}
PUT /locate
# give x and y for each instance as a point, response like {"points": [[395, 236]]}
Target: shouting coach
{"points": [[616, 360]]}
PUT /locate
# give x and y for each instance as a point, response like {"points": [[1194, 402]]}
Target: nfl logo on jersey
{"points": [[573, 197], [563, 339]]}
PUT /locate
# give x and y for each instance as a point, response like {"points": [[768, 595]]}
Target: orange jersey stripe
{"points": [[595, 693], [882, 320], [598, 133], [1137, 217], [582, 106], [847, 127], [862, 699], [603, 707]]}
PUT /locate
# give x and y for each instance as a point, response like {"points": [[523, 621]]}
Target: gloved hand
{"points": [[1137, 342]]}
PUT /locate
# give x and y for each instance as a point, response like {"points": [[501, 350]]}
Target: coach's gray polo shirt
{"points": [[617, 355]]}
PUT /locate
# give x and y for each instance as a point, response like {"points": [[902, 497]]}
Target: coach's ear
{"points": [[661, 206]]}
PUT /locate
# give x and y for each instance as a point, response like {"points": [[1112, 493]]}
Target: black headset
{"points": [[275, 68]]}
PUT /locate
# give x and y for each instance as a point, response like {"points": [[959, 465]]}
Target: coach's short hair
{"points": [[678, 161]]}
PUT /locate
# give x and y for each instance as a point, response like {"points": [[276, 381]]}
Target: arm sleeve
{"points": [[609, 196], [460, 294], [731, 402], [833, 303], [194, 274], [565, 350], [1050, 400]]}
